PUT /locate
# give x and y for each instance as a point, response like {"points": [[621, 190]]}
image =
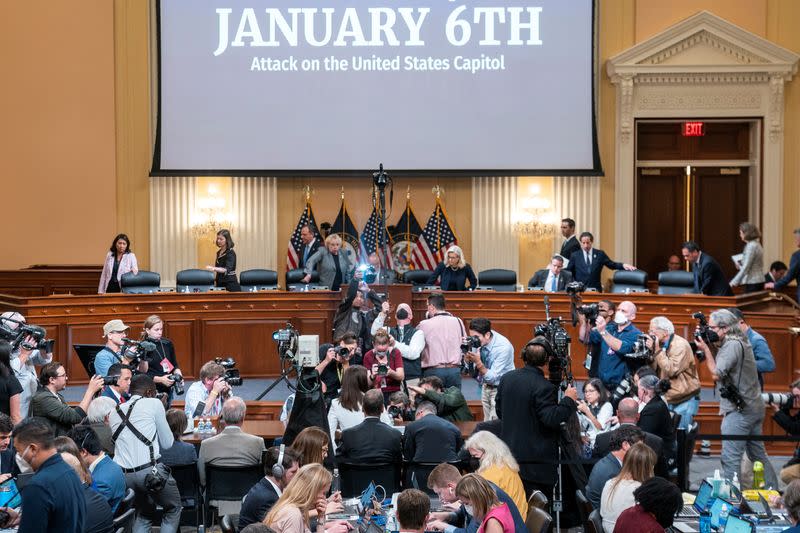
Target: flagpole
{"points": [[408, 223], [438, 190]]}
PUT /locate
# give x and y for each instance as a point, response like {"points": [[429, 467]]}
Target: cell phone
{"points": [[9, 494]]}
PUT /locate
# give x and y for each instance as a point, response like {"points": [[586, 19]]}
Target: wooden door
{"points": [[660, 217]]}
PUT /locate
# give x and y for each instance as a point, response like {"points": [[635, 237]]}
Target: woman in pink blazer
{"points": [[119, 260]]}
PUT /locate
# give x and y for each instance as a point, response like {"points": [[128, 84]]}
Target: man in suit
{"points": [[107, 476], [708, 276], [532, 416], [570, 244], [383, 276], [794, 269], [371, 440], [553, 278], [311, 244], [627, 415], [431, 439], [587, 264], [610, 465], [118, 391], [776, 271], [263, 495]]}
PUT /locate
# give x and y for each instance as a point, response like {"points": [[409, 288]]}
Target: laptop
{"points": [[716, 510], [737, 524], [701, 502]]}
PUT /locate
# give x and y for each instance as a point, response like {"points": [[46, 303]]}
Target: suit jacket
{"points": [[99, 516], [109, 481], [569, 247], [431, 439], [655, 419], [108, 393], [792, 274], [540, 278], [232, 447], [312, 250], [603, 470], [453, 280], [708, 277], [257, 503], [58, 415], [180, 453], [532, 416], [370, 441], [752, 264], [324, 263], [590, 274], [602, 443]]}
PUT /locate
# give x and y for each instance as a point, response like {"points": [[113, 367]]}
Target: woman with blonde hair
{"points": [[477, 493], [454, 272], [334, 266], [497, 464], [637, 467], [304, 493], [751, 266], [311, 445]]}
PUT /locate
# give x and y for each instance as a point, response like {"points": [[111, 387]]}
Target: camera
{"points": [[622, 390], [395, 411], [470, 343], [640, 350], [177, 381], [18, 336], [287, 339], [110, 380], [343, 351], [729, 391], [134, 350], [575, 287], [560, 362], [704, 332], [777, 398], [590, 311], [368, 273], [232, 376]]}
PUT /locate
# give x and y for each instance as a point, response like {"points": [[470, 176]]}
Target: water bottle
{"points": [[735, 481], [305, 289], [758, 475], [335, 483], [705, 522], [723, 517]]}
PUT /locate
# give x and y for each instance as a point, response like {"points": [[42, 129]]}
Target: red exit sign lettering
{"points": [[693, 129]]}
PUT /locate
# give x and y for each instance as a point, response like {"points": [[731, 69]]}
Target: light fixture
{"points": [[534, 218], [210, 216]]}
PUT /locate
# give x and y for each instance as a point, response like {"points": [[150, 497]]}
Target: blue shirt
{"points": [[53, 500], [103, 361], [765, 362], [612, 367], [499, 359]]}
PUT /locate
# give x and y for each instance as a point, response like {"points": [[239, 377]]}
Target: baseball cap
{"points": [[114, 325]]}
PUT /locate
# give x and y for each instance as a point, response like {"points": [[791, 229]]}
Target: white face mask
{"points": [[23, 465], [620, 318]]}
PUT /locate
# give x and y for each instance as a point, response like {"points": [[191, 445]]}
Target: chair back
{"points": [[124, 521], [584, 505], [188, 480], [538, 521], [498, 279], [258, 279], [126, 502], [537, 499], [194, 280], [417, 277], [594, 524], [231, 483], [629, 281], [227, 524], [355, 477], [294, 278], [145, 282], [676, 282]]}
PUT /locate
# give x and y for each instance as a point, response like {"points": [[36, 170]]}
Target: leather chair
{"points": [[258, 279], [145, 282], [417, 277], [584, 505], [124, 522], [188, 480], [629, 281], [594, 524], [126, 502], [538, 520], [294, 279], [227, 524], [676, 282], [498, 279], [194, 280], [229, 483], [356, 476], [537, 499]]}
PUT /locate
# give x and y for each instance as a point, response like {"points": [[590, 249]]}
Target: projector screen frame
{"points": [[596, 171]]}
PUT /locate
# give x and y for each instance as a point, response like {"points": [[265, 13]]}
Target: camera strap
{"points": [[126, 423]]}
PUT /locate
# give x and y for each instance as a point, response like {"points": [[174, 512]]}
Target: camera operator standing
{"points": [[24, 360], [162, 365], [616, 340], [740, 404], [606, 309], [114, 351], [674, 360], [495, 358], [205, 397]]}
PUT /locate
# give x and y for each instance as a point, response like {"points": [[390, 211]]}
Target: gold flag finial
{"points": [[307, 192], [342, 193], [408, 193], [437, 191]]}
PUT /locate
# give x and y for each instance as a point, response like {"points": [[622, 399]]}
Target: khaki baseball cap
{"points": [[114, 325]]}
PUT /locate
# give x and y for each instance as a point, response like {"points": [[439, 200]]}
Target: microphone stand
{"points": [[379, 181]]}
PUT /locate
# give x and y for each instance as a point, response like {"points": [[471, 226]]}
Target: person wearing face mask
{"points": [[162, 364], [409, 340], [616, 340], [606, 309], [53, 499]]}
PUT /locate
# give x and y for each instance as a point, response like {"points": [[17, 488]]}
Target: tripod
{"points": [[379, 180], [284, 376]]}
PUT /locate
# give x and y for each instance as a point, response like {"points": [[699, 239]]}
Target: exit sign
{"points": [[693, 129]]}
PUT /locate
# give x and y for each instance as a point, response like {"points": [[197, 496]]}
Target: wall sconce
{"points": [[534, 218], [210, 216]]}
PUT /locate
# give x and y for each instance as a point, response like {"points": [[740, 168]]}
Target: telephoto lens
{"points": [[777, 398]]}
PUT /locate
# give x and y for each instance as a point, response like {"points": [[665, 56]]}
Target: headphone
{"points": [[277, 469]]}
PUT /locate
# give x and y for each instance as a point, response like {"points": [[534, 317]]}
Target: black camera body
{"points": [[559, 364], [730, 392], [177, 383], [575, 287], [287, 340], [17, 336], [469, 344], [704, 332], [640, 351], [110, 380], [343, 351], [590, 311], [232, 376]]}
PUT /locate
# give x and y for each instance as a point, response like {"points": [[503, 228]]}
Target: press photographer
{"points": [[675, 361], [119, 349], [587, 314], [162, 363], [616, 340], [493, 358], [384, 365], [25, 357], [733, 367], [50, 405], [336, 360], [400, 409], [205, 397], [784, 405]]}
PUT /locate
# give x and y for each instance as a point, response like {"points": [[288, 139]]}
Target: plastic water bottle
{"points": [[735, 481], [758, 475], [723, 517], [305, 289], [705, 522], [335, 483]]}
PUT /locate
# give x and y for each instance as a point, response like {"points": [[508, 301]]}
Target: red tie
{"points": [[122, 399]]}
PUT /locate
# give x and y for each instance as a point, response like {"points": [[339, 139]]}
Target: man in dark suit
{"points": [[107, 477], [794, 269], [371, 440], [119, 391], [708, 276], [311, 242], [431, 439], [776, 271], [552, 278], [628, 415], [610, 465], [532, 416], [570, 244], [587, 264], [263, 495]]}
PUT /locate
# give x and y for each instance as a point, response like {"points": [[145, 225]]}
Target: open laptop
{"points": [[737, 524], [701, 502]]}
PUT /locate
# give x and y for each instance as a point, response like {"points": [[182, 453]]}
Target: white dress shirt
{"points": [[148, 416]]}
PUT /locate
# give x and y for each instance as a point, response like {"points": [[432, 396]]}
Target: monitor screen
{"points": [[703, 496], [736, 524]]}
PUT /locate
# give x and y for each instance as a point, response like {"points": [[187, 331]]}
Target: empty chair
{"points": [[584, 505], [194, 280], [258, 279], [227, 524], [229, 483], [145, 282], [538, 521], [188, 481], [676, 282], [356, 476], [417, 277], [629, 281], [593, 524], [537, 499], [498, 279], [124, 521], [294, 279]]}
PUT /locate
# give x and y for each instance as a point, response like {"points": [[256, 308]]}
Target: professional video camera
{"points": [[640, 350], [623, 390], [781, 399], [704, 332], [560, 363], [287, 341], [110, 380], [469, 344], [232, 376], [135, 350], [177, 381], [18, 336], [368, 272], [575, 287]]}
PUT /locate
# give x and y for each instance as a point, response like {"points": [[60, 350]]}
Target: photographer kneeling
{"points": [[742, 409], [791, 424]]}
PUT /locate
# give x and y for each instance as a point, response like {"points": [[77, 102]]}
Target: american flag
{"points": [[369, 241], [437, 236], [295, 242]]}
